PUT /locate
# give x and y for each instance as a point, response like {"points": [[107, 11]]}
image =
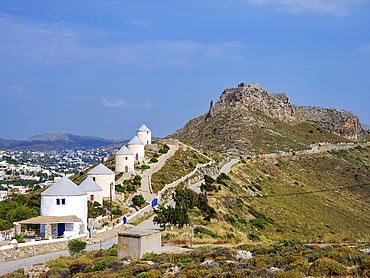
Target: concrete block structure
{"points": [[105, 178], [125, 160], [136, 146], [144, 134], [137, 242]]}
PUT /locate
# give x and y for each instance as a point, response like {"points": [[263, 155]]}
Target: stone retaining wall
{"points": [[24, 250]]}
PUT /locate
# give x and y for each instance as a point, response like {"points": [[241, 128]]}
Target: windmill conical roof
{"points": [[124, 150], [135, 141], [143, 128], [100, 170], [65, 187], [89, 185]]}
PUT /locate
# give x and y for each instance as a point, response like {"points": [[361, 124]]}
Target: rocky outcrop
{"points": [[340, 122], [251, 97]]}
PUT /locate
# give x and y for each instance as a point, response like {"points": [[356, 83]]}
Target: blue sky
{"points": [[104, 68]]}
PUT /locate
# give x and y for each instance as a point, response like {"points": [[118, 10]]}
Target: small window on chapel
{"points": [[126, 157], [63, 201], [58, 201]]}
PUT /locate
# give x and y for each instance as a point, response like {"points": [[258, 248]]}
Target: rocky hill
{"points": [[251, 120]]}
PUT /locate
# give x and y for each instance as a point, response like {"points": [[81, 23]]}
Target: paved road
{"points": [[23, 263], [225, 169], [147, 224]]}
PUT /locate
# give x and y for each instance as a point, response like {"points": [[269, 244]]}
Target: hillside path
{"points": [[225, 169], [146, 189]]}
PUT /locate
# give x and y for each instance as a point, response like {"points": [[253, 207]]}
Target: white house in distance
{"points": [[93, 190], [105, 178], [67, 202], [144, 134], [136, 146], [125, 160]]}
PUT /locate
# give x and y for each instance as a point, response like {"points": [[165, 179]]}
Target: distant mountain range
{"points": [[58, 141]]}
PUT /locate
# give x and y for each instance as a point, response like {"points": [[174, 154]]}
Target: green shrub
{"points": [[153, 160], [118, 176], [243, 221], [100, 265], [326, 267], [186, 260], [259, 223], [145, 275], [119, 188], [138, 200], [117, 212], [203, 230], [76, 246], [60, 265], [163, 151], [145, 167], [19, 238], [290, 274], [149, 256], [79, 265], [300, 265], [364, 268]]}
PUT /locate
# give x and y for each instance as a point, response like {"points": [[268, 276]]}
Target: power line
{"points": [[297, 193]]}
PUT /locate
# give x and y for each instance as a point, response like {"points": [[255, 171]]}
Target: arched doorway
{"points": [[126, 169]]}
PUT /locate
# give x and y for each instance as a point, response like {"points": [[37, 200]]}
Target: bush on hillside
{"points": [[326, 267], [138, 200], [76, 246]]}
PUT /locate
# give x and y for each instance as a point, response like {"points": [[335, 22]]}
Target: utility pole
{"points": [[111, 216], [192, 235]]}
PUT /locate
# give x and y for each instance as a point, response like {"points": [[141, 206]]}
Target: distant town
{"points": [[25, 171]]}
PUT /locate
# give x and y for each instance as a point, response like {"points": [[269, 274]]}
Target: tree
{"points": [[171, 215], [21, 213], [186, 200], [208, 179], [76, 246], [138, 200]]}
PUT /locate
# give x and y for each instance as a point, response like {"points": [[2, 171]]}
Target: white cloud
{"points": [[147, 105], [16, 88], [61, 43], [113, 103], [335, 7], [120, 102]]}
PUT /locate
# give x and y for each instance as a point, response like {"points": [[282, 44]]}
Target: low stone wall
{"points": [[98, 235], [169, 141], [24, 250], [105, 233]]}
